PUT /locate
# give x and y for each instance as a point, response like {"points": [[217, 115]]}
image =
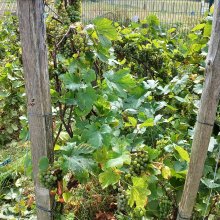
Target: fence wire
{"points": [[181, 14]]}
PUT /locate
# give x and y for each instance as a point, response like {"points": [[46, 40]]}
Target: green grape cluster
{"points": [[130, 50], [160, 60], [49, 178], [56, 30], [73, 14], [67, 48], [63, 13], [137, 213], [122, 200], [174, 71], [163, 74], [118, 49], [165, 206], [179, 57], [187, 108], [80, 43], [138, 165]]}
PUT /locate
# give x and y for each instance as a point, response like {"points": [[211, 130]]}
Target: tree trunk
{"points": [[30, 13], [206, 114]]}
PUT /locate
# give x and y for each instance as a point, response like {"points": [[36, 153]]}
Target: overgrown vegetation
{"points": [[124, 101]]}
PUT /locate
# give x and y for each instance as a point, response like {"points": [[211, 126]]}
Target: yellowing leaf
{"points": [[166, 172], [57, 147], [67, 196], [212, 9], [109, 177], [198, 27], [22, 209], [147, 123], [139, 192], [133, 121], [75, 55], [171, 30], [183, 153]]}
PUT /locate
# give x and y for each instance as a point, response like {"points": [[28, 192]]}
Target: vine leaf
{"points": [[96, 137], [72, 82], [22, 208], [103, 27], [109, 177], [147, 123], [183, 153], [209, 183], [81, 165], [88, 76], [67, 196], [119, 156], [43, 163], [120, 81], [166, 172], [86, 97], [139, 192]]}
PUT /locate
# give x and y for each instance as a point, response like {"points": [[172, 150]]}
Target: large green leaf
{"points": [[103, 27], [109, 177], [96, 137], [139, 192], [118, 156], [120, 81], [150, 108], [72, 81], [86, 97], [78, 164], [43, 163], [72, 66], [198, 88], [180, 84], [209, 183], [88, 76]]}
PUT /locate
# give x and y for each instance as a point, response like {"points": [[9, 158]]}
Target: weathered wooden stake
{"points": [[206, 114], [30, 14]]}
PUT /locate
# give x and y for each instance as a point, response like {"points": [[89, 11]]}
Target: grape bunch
{"points": [[67, 48], [138, 165], [179, 57], [63, 13], [137, 213], [164, 207], [49, 178], [174, 71], [160, 60], [122, 200], [55, 29], [73, 14]]}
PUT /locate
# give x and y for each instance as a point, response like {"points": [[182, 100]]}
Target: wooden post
{"points": [[206, 114], [30, 13]]}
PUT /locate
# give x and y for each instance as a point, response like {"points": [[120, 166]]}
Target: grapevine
{"points": [[164, 207], [49, 178]]}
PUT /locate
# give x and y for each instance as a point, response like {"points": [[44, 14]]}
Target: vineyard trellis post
{"points": [[34, 55], [205, 120]]}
